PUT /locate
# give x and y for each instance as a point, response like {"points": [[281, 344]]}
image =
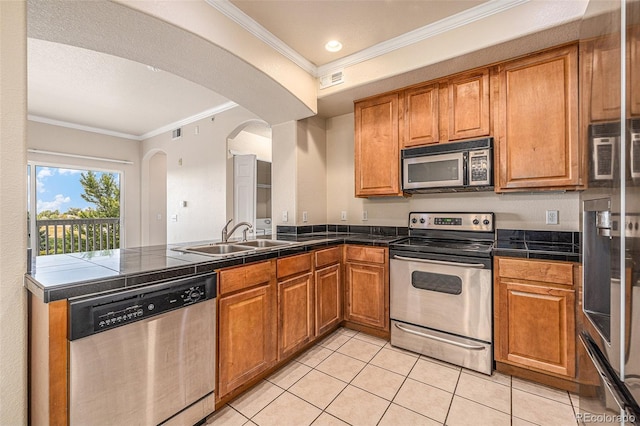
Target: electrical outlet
{"points": [[365, 215], [305, 217], [552, 217], [285, 216], [343, 215]]}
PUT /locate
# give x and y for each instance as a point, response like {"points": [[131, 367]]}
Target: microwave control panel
{"points": [[479, 167]]}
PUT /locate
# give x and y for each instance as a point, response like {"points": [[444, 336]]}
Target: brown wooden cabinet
{"points": [[467, 106], [537, 129], [534, 315], [419, 115], [367, 286], [447, 110], [634, 71], [377, 147], [295, 303], [247, 324], [328, 289]]}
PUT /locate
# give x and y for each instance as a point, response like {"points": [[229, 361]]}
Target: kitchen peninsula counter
{"points": [[65, 276]]}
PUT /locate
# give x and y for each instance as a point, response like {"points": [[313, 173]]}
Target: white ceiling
{"points": [[306, 26], [98, 91]]}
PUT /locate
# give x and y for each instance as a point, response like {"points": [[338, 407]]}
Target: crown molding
{"points": [[450, 23], [167, 128], [204, 114], [77, 126], [261, 33], [463, 18]]}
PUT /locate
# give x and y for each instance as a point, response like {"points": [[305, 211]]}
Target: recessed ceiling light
{"points": [[333, 46], [152, 68]]}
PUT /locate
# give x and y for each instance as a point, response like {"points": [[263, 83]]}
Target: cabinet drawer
{"points": [[328, 256], [365, 254], [536, 270], [242, 277], [294, 265]]}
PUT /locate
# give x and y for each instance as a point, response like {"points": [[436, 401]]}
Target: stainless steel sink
{"points": [[263, 243], [232, 248], [217, 249]]}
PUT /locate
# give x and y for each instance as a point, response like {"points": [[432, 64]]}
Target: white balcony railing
{"points": [[56, 236]]}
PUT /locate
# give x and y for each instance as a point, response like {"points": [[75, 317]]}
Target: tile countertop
{"points": [[65, 276], [548, 245]]}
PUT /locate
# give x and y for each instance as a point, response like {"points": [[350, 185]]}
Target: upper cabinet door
{"points": [[537, 130], [633, 79], [605, 74], [468, 109], [419, 116], [377, 150]]}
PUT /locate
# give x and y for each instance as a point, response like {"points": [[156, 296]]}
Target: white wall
{"points": [[197, 174], [156, 199], [64, 140], [520, 211], [284, 172], [249, 143], [299, 172], [13, 206]]}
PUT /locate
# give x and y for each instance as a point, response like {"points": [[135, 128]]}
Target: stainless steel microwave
{"points": [[452, 166]]}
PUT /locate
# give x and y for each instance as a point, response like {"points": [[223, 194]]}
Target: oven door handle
{"points": [[441, 262], [440, 339]]}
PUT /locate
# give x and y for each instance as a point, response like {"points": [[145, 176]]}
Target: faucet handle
{"points": [[228, 222]]}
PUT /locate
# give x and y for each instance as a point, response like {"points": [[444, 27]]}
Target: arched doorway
{"points": [[249, 175], [154, 202]]}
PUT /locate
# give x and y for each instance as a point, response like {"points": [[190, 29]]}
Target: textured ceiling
{"points": [[72, 84]]}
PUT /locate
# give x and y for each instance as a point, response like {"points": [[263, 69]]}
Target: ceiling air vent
{"points": [[331, 79], [176, 133]]}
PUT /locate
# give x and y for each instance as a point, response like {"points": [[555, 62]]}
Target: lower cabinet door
{"points": [[535, 327], [247, 337], [328, 298], [366, 294], [295, 317]]}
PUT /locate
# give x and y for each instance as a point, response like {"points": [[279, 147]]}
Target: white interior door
{"points": [[244, 189]]}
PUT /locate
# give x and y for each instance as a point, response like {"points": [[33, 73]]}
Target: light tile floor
{"points": [[350, 378]]}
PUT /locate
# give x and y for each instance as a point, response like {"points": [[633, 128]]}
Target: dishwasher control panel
{"points": [[92, 315], [120, 313]]}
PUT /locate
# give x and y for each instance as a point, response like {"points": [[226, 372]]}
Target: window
{"points": [[73, 210]]}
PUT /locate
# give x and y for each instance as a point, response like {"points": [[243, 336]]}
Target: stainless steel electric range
{"points": [[441, 288]]}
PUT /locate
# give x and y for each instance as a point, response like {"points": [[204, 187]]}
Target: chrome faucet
{"points": [[226, 235]]}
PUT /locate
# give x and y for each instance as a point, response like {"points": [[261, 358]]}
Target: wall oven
{"points": [[454, 166], [441, 288]]}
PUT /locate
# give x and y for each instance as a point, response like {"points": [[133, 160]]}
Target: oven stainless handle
{"points": [[441, 262], [440, 339], [597, 363]]}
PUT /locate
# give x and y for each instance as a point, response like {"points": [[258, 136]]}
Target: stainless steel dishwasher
{"points": [[144, 356]]}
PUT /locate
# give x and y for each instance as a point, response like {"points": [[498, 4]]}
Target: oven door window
{"points": [[448, 284]]}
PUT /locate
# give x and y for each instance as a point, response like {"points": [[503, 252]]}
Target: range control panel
{"points": [[452, 221], [120, 313]]}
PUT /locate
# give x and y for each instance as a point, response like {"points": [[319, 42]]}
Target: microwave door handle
{"points": [[465, 169], [440, 262]]}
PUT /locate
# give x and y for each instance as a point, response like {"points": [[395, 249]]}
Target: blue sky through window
{"points": [[59, 188]]}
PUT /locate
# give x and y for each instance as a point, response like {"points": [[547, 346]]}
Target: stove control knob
{"points": [[486, 222], [414, 220], [422, 220], [476, 222]]}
